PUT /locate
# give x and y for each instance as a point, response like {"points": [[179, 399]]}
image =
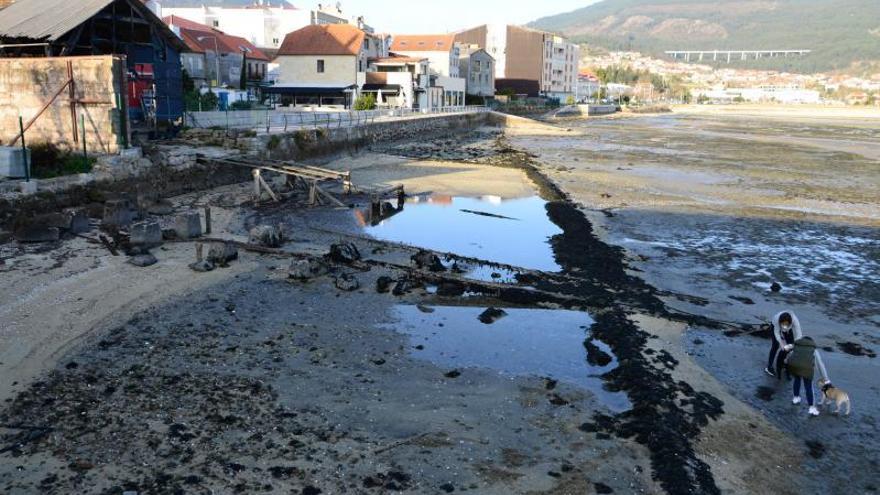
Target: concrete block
{"points": [[118, 213], [133, 152], [79, 220], [11, 164], [147, 233], [188, 225], [266, 235]]}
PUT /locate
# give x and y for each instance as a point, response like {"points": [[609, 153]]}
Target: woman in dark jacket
{"points": [[804, 358]]}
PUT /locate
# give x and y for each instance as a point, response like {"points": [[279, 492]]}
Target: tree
{"points": [[570, 100]]}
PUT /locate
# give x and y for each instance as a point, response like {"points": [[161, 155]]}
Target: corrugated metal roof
{"points": [[47, 20]]}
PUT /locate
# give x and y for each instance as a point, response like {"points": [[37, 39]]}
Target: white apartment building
{"points": [[561, 68], [445, 87], [264, 25]]}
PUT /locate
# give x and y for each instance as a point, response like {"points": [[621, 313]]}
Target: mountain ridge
{"points": [[839, 32]]}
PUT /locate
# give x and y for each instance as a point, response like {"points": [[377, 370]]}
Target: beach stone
{"points": [[450, 289], [775, 287], [491, 315], [383, 284], [202, 266], [307, 269], [146, 233], [188, 225], [143, 260], [221, 253], [37, 233], [347, 283], [427, 260], [345, 253], [118, 213], [266, 235]]}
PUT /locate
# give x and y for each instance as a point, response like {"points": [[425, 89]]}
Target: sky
{"points": [[433, 16]]}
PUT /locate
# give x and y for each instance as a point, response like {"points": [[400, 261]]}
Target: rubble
{"points": [[491, 315], [427, 260], [221, 253], [347, 282], [37, 233], [118, 213], [383, 284]]}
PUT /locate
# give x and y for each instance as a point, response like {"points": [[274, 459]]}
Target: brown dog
{"points": [[830, 394]]}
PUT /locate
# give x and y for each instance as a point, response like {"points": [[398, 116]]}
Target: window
{"points": [[320, 66], [274, 41], [216, 23]]}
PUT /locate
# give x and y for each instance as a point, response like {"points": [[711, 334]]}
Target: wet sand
{"points": [[713, 209]]}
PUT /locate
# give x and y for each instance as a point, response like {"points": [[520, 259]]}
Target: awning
{"points": [[382, 87], [307, 90]]}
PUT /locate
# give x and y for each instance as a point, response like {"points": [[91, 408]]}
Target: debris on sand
{"points": [[491, 315], [426, 260], [856, 349], [775, 287], [345, 253], [202, 266], [266, 236]]}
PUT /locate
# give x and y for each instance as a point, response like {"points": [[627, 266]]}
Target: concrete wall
{"points": [[26, 84], [303, 69]]}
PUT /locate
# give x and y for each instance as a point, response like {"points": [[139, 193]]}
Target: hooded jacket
{"points": [[795, 329]]}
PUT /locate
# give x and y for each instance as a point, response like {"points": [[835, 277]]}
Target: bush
{"points": [[570, 100], [48, 161], [196, 101], [365, 102]]}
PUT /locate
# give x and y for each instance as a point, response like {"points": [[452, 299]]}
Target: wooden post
{"points": [[27, 168], [346, 183], [207, 220], [82, 119], [257, 194], [200, 250]]}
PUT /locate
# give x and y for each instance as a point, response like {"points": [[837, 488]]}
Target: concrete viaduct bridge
{"points": [[729, 55]]}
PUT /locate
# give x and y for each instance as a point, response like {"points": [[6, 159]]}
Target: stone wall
{"points": [[27, 84]]}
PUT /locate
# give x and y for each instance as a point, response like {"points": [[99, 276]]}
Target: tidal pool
{"points": [[526, 342], [509, 231]]}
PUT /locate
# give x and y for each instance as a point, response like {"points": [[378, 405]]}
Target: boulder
{"points": [[143, 260], [266, 235], [345, 253], [188, 225], [146, 233], [347, 283], [427, 260], [405, 285], [221, 253], [775, 287], [307, 269]]}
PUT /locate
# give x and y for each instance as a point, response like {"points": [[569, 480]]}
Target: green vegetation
{"points": [[365, 102], [840, 32], [196, 102], [48, 161]]}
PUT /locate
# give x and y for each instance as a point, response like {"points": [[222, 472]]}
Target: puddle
{"points": [[533, 342], [513, 232]]}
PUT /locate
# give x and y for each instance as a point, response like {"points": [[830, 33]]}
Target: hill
{"points": [[840, 32]]}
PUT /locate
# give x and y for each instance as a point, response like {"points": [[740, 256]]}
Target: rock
{"points": [[143, 260], [202, 266], [491, 315], [146, 233], [347, 282], [221, 253], [118, 213], [188, 225], [345, 253], [403, 286], [452, 374], [427, 260], [37, 233], [383, 284], [595, 355], [266, 235], [775, 287], [307, 269], [169, 234], [424, 309]]}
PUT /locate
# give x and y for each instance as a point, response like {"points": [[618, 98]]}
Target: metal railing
{"points": [[274, 121]]}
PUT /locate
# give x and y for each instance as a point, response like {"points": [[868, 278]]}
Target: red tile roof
{"points": [[423, 42], [200, 39], [325, 39]]}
